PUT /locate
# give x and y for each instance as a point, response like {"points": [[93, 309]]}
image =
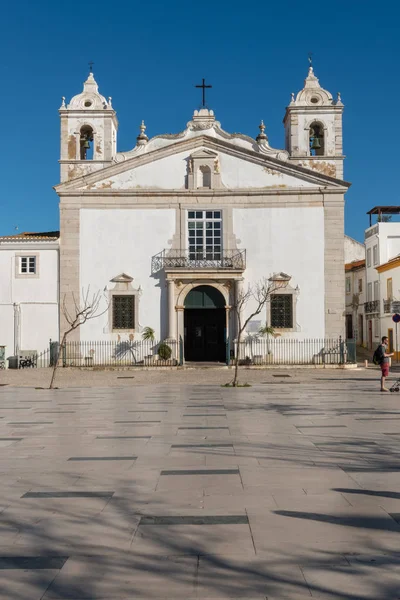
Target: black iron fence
{"points": [[141, 353], [253, 351], [274, 351]]}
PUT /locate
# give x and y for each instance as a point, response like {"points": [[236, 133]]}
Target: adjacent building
{"points": [[29, 292], [382, 246]]}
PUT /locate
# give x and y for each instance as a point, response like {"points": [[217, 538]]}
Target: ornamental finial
{"points": [[261, 136], [142, 137]]}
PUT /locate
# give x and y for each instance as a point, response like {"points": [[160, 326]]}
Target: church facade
{"points": [[171, 231]]}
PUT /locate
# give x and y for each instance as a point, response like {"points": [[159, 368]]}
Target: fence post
{"points": [[180, 351], [341, 347], [64, 354], [227, 352]]}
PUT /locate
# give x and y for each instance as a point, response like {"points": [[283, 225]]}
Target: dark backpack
{"points": [[378, 356]]}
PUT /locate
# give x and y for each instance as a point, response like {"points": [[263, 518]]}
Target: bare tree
{"points": [[259, 294], [81, 311]]}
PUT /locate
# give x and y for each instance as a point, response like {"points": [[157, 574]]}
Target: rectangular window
{"points": [[376, 290], [27, 265], [348, 285], [389, 288], [205, 234], [360, 286], [369, 292], [376, 327], [369, 257], [282, 311], [123, 312], [375, 254]]}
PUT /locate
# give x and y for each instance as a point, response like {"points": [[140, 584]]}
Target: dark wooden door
{"points": [[205, 334], [360, 330], [349, 327]]}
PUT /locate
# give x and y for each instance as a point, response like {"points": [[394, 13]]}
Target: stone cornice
{"points": [[179, 196], [29, 245], [286, 167]]}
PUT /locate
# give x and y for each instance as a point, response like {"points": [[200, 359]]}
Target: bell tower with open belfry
{"points": [[88, 132], [313, 129]]}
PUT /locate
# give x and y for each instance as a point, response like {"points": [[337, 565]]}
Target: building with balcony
{"points": [[389, 284], [382, 247], [172, 230], [355, 300]]}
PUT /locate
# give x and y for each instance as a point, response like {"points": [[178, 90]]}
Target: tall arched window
{"points": [[86, 143], [317, 141], [204, 177]]}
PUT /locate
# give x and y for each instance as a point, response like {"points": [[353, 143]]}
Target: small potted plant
{"points": [[148, 335], [164, 351], [267, 330]]}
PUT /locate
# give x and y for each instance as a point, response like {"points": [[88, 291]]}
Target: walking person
{"points": [[384, 356]]}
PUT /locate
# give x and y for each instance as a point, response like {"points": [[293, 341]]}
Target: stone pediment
{"points": [[203, 153], [122, 278], [167, 168]]}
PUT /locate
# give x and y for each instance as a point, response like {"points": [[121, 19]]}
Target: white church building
{"points": [[171, 231]]}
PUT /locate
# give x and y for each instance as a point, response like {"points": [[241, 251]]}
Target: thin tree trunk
{"points": [[60, 350], [235, 381]]}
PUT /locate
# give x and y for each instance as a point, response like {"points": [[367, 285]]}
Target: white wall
{"points": [[120, 240], [171, 172], [123, 241], [292, 241], [37, 298], [353, 250]]}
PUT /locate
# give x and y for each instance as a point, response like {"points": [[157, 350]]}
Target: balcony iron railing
{"points": [[184, 259], [372, 306], [387, 306]]}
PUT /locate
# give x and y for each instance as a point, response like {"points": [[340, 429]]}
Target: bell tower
{"points": [[313, 129], [88, 132]]}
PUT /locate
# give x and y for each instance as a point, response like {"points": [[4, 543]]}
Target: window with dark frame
{"points": [[28, 265], [282, 311], [123, 312]]}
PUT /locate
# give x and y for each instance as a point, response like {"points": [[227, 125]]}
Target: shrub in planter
{"points": [[164, 351]]}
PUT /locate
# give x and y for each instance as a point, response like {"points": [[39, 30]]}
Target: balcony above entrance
{"points": [[184, 260]]}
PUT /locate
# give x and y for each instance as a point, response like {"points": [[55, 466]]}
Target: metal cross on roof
{"points": [[204, 86], [91, 63]]}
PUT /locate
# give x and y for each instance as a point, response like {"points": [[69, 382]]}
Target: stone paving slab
{"points": [[293, 492]]}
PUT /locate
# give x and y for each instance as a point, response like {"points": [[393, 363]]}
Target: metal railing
{"points": [[256, 351], [185, 259], [387, 306], [141, 353], [372, 306]]}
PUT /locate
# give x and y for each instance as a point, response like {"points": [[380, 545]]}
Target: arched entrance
{"points": [[205, 323]]}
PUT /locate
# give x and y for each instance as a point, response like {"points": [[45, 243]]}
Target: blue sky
{"points": [[148, 57]]}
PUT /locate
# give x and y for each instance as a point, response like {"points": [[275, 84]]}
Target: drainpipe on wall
{"points": [[17, 328]]}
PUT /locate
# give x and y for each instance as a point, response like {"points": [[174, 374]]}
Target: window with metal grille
{"points": [[28, 264], [123, 312], [205, 234], [282, 311]]}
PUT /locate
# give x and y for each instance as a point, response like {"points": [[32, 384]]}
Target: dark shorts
{"points": [[385, 369]]}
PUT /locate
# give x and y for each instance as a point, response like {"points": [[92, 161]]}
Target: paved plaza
{"points": [[286, 490]]}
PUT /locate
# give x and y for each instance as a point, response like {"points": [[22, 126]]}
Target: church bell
{"points": [[316, 145], [86, 144]]}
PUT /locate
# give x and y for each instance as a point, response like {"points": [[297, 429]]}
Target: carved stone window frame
{"points": [[288, 289], [123, 287], [199, 159]]}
